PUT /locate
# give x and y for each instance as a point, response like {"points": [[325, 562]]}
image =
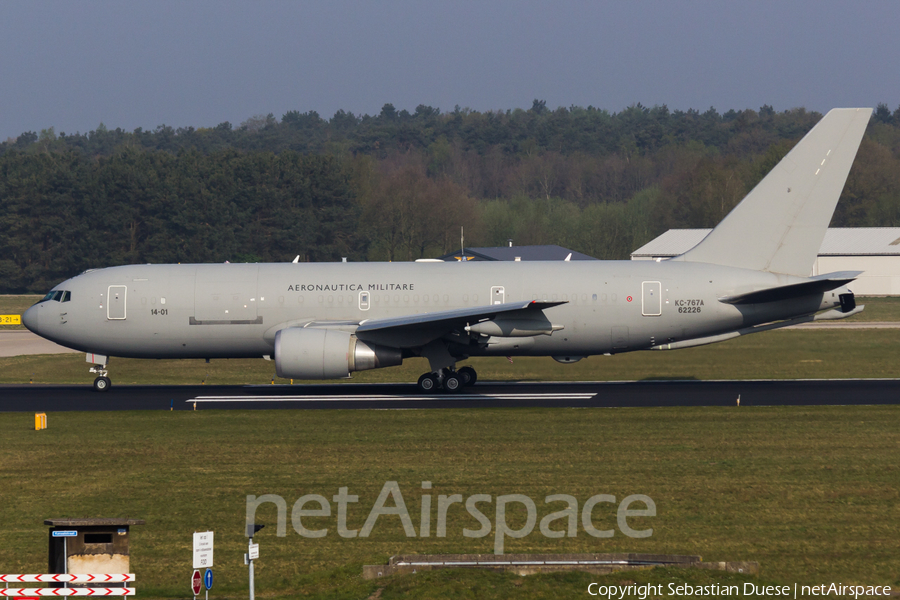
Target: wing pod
{"points": [[512, 327]]}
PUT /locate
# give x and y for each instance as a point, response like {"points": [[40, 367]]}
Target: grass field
{"points": [[810, 493], [813, 494], [785, 354]]}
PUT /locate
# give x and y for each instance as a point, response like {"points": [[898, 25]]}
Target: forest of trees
{"points": [[399, 185]]}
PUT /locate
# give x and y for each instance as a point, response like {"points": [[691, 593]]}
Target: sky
{"points": [[72, 65]]}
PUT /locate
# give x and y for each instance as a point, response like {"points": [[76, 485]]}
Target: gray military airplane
{"points": [[326, 320]]}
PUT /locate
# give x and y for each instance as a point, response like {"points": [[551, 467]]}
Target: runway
{"points": [[57, 398]]}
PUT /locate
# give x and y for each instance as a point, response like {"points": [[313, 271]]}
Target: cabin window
{"points": [[594, 297], [465, 297]]}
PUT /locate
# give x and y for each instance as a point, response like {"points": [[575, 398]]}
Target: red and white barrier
{"points": [[78, 578], [40, 592], [69, 578]]}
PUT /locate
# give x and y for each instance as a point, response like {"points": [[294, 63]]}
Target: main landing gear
{"points": [[447, 380]]}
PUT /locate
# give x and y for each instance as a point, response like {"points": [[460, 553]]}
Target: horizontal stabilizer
{"points": [[814, 285]]}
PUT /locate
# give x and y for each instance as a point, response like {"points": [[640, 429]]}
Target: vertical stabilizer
{"points": [[779, 226]]}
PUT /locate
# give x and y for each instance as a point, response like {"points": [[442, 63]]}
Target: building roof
{"points": [[839, 241], [551, 252]]}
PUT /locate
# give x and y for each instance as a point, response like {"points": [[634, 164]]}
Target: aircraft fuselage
{"points": [[234, 310]]}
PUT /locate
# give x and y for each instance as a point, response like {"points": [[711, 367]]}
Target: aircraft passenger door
{"points": [[364, 301], [651, 299], [115, 305], [498, 295]]}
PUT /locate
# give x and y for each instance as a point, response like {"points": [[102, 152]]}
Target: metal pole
{"points": [[252, 594], [65, 561]]}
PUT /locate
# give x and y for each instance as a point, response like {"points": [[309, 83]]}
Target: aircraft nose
{"points": [[31, 318]]}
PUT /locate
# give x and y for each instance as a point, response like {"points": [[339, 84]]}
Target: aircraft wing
{"points": [[815, 285], [417, 330]]}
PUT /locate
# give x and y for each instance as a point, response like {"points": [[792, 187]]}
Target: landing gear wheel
{"points": [[428, 383], [469, 376], [102, 384], [453, 383]]}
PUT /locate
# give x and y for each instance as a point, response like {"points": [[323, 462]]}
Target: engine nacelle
{"points": [[327, 354]]}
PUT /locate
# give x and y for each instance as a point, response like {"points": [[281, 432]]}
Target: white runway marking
{"points": [[382, 398]]}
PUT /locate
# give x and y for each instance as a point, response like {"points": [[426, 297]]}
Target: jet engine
{"points": [[327, 354]]}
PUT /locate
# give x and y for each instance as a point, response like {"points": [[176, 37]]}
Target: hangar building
{"points": [[873, 250]]}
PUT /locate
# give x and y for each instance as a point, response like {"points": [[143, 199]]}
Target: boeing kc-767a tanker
{"points": [[326, 320]]}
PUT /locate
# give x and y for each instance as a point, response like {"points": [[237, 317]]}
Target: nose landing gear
{"points": [[102, 383]]}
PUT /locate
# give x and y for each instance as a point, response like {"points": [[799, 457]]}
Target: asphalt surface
{"points": [[56, 398]]}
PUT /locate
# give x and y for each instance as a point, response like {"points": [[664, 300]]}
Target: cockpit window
{"points": [[58, 295]]}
